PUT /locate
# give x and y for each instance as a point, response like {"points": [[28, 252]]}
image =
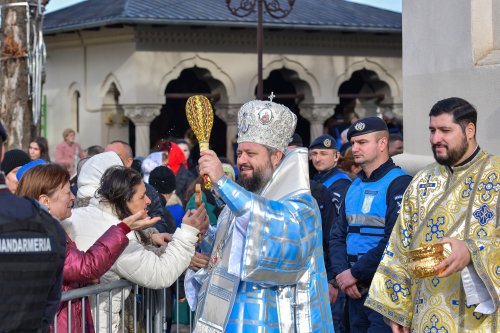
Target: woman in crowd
{"points": [[122, 192], [49, 184], [186, 149], [39, 149], [68, 152], [178, 164]]}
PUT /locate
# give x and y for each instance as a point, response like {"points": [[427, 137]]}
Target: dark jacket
{"points": [[12, 206], [183, 179], [324, 198], [338, 188], [157, 208], [331, 211]]}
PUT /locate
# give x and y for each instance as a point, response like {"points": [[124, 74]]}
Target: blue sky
{"points": [[394, 5]]}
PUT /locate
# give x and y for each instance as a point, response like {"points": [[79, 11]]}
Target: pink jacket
{"points": [[65, 155], [84, 268]]}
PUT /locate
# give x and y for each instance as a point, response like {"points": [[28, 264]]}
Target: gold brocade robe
{"points": [[437, 204]]}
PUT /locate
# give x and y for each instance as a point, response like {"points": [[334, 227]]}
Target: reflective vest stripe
{"points": [[375, 221], [334, 178]]}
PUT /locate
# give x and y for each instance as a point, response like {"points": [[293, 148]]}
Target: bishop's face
{"points": [[255, 166]]}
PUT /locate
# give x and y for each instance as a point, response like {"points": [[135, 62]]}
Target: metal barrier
{"points": [[149, 307]]}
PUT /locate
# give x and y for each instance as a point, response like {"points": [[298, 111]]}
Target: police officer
{"points": [[324, 157], [32, 253], [370, 209]]}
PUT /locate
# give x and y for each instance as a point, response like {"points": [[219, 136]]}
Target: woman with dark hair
{"points": [[39, 149], [49, 185], [122, 192]]}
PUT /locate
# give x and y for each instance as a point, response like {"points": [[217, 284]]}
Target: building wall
{"points": [[449, 50], [140, 63]]}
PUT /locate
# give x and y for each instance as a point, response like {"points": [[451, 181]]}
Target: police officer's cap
{"points": [[3, 133], [324, 141], [366, 125]]}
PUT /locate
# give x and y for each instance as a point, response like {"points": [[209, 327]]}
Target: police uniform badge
{"points": [[359, 126]]}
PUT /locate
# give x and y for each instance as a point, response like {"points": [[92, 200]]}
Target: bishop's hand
{"points": [[209, 164]]}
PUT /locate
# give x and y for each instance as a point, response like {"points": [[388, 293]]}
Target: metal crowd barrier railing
{"points": [[149, 308]]}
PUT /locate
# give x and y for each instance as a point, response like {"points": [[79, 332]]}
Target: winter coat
{"points": [[84, 268], [136, 264], [68, 156]]}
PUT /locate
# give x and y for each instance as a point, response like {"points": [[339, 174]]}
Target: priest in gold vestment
{"points": [[456, 201]]}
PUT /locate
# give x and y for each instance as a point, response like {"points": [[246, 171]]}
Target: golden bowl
{"points": [[423, 259]]}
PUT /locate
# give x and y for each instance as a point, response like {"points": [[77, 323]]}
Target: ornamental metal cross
{"points": [[271, 97]]}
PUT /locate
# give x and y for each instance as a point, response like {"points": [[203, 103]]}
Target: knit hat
{"points": [[162, 179], [14, 158], [28, 166]]}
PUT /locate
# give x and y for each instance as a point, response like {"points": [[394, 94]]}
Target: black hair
{"points": [[462, 111], [94, 150], [117, 188]]}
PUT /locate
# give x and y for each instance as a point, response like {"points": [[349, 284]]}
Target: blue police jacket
{"points": [[366, 219], [365, 209]]}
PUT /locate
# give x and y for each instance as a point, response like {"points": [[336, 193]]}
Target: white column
{"points": [[229, 114], [316, 114], [142, 115]]}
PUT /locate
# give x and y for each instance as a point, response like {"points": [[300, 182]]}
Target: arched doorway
{"points": [[287, 87], [362, 94], [172, 121]]}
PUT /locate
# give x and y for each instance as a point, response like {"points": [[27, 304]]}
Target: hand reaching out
{"points": [[140, 220], [197, 218]]}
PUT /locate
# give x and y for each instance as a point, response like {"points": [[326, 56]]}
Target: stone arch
{"points": [[305, 82], [74, 94], [382, 73], [172, 121], [72, 88], [214, 70], [107, 83]]}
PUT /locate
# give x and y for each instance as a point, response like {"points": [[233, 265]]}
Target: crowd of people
{"points": [[269, 248]]}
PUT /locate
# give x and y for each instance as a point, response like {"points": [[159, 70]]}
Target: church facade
{"points": [[125, 73]]}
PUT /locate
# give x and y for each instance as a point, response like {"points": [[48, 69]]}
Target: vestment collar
{"points": [[467, 163]]}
